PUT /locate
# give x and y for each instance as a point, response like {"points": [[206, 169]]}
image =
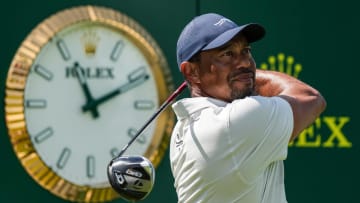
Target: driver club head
{"points": [[132, 177]]}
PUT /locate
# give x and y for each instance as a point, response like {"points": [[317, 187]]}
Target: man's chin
{"points": [[241, 94]]}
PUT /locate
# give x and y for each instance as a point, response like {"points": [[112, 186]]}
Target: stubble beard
{"points": [[245, 91], [241, 94]]}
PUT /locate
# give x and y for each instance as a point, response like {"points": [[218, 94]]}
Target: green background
{"points": [[321, 35]]}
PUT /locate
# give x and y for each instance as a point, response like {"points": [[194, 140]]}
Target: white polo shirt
{"points": [[230, 152]]}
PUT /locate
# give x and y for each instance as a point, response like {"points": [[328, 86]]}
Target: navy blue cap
{"points": [[209, 31]]}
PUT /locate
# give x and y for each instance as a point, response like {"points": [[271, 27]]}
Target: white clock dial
{"points": [[79, 88], [77, 145]]}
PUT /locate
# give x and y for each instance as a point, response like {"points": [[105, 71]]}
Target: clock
{"points": [[78, 88]]}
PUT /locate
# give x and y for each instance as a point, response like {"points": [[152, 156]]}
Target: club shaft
{"points": [[161, 108]]}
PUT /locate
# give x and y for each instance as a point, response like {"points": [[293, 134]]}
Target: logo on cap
{"points": [[222, 21]]}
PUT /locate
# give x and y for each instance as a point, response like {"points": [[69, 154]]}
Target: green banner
{"points": [[311, 40]]}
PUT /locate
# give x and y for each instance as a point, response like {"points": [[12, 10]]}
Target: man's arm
{"points": [[306, 102]]}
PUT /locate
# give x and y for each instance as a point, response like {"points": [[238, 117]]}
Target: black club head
{"points": [[131, 176]]}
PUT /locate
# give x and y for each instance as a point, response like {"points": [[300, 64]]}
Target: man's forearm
{"points": [[272, 83], [268, 83]]}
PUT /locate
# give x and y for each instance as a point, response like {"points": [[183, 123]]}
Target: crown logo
{"points": [[284, 64], [90, 40]]}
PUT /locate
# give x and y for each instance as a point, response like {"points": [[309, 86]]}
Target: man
{"points": [[232, 135]]}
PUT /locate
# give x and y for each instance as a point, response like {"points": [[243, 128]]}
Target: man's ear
{"points": [[190, 71]]}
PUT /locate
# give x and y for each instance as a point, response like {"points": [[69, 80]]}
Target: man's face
{"points": [[228, 72]]}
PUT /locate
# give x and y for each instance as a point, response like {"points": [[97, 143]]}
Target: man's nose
{"points": [[243, 62], [246, 62]]}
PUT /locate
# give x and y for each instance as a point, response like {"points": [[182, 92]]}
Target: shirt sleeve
{"points": [[260, 129]]}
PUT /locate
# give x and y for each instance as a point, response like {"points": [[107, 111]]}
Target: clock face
{"points": [[77, 91], [73, 142]]}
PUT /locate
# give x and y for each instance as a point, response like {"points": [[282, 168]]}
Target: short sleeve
{"points": [[260, 129]]}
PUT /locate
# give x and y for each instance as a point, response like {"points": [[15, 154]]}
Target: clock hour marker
{"points": [[136, 74], [43, 72], [63, 50], [115, 53], [63, 158], [90, 166], [114, 152], [43, 135], [144, 104], [132, 132], [35, 103]]}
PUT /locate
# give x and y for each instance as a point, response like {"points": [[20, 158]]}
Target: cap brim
{"points": [[252, 31]]}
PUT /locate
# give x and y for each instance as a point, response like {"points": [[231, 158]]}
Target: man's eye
{"points": [[228, 53], [246, 50]]}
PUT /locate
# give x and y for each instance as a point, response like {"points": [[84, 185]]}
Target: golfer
{"points": [[232, 135]]}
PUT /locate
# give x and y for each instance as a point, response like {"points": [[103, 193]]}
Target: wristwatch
{"points": [[78, 89]]}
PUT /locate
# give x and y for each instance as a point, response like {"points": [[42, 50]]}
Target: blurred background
{"points": [[321, 37]]}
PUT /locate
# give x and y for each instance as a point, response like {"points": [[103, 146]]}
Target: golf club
{"points": [[133, 176]]}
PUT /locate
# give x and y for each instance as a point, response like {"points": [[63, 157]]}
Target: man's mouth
{"points": [[244, 76]]}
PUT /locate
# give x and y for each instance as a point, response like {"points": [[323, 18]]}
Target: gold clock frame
{"points": [[16, 84]]}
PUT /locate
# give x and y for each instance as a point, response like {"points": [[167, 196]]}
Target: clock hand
{"points": [[134, 82], [86, 90]]}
